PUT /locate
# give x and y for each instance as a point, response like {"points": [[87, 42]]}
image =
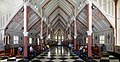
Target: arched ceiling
{"points": [[58, 14]]}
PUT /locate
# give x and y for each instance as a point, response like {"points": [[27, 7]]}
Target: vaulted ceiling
{"points": [[57, 14]]}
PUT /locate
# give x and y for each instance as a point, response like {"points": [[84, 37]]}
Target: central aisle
{"points": [[57, 54]]}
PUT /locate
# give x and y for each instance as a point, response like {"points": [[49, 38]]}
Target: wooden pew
{"points": [[2, 53], [96, 52]]}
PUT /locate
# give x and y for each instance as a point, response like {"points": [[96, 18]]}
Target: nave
{"points": [[59, 22]]}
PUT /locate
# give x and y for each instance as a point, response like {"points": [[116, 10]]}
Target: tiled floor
{"points": [[109, 58], [10, 59], [58, 54]]}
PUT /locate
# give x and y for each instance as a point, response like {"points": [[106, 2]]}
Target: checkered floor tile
{"points": [[57, 54], [10, 59], [109, 58]]}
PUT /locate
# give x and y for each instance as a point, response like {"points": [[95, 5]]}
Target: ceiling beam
{"points": [[61, 17], [59, 21], [53, 11], [59, 26], [70, 3], [56, 9], [81, 22], [46, 4], [34, 24]]}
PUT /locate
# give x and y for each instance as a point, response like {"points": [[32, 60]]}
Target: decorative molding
{"points": [[89, 32], [75, 37], [25, 33], [41, 37]]}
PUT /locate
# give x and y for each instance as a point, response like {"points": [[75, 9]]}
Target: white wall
{"points": [[118, 24], [1, 39], [118, 32], [1, 34], [17, 33], [108, 42], [21, 38]]}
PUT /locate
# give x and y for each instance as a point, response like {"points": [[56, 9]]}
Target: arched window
{"points": [[38, 41], [87, 40], [56, 38], [30, 40], [62, 37], [16, 39], [102, 39]]}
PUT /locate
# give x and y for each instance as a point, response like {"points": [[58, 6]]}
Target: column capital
{"points": [[74, 18], [75, 37], [89, 32], [41, 37], [25, 33]]}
